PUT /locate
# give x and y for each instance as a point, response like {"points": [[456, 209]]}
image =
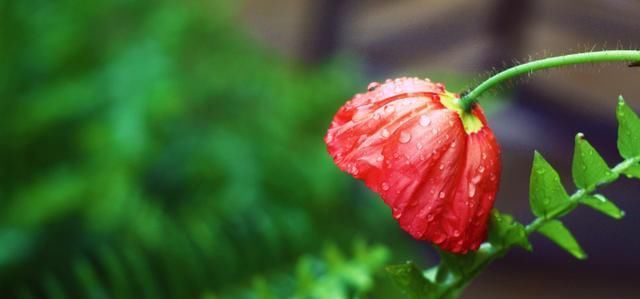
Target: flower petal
{"points": [[439, 180]]}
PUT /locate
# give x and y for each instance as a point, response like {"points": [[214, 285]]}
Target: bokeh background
{"points": [[173, 149]]}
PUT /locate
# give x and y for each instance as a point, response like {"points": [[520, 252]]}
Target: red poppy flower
{"points": [[435, 165]]}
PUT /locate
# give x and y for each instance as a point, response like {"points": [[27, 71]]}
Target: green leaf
{"points": [[628, 130], [633, 172], [411, 280], [504, 231], [600, 203], [559, 234], [588, 167], [546, 193]]}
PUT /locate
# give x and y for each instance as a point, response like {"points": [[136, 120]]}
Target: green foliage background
{"points": [[149, 149]]}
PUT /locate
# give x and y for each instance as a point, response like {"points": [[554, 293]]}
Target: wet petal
{"points": [[439, 180]]}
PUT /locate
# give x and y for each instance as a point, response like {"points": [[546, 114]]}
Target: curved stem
{"points": [[470, 98]]}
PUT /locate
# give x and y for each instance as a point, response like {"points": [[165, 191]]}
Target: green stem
{"points": [[579, 194], [491, 251], [470, 98]]}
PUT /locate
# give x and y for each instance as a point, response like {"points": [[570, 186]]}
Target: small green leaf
{"points": [[600, 203], [505, 232], [588, 167], [628, 130], [546, 193], [411, 280], [633, 172], [559, 234]]}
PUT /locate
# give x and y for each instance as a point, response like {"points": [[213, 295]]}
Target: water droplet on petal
{"points": [[404, 137], [484, 156], [441, 167], [456, 233], [481, 169], [385, 133], [425, 121], [442, 195], [385, 186], [397, 214], [476, 179], [372, 86], [419, 145], [453, 144], [439, 238], [380, 158], [472, 190], [429, 217]]}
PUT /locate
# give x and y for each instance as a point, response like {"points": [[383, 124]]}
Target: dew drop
{"points": [[456, 233], [484, 156], [385, 186], [404, 137], [429, 217], [441, 167], [453, 144], [385, 133], [380, 158], [441, 194], [425, 121], [419, 145], [397, 214], [354, 170], [329, 138], [472, 190], [481, 169], [476, 179], [439, 238], [372, 86]]}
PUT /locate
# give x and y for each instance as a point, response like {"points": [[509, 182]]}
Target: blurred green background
{"points": [[173, 149], [150, 149]]}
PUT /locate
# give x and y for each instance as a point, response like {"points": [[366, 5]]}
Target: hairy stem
{"points": [[470, 98]]}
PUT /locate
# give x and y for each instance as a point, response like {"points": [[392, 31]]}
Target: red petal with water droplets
{"points": [[408, 146]]}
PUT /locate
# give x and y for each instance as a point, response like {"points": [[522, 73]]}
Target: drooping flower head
{"points": [[436, 166]]}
